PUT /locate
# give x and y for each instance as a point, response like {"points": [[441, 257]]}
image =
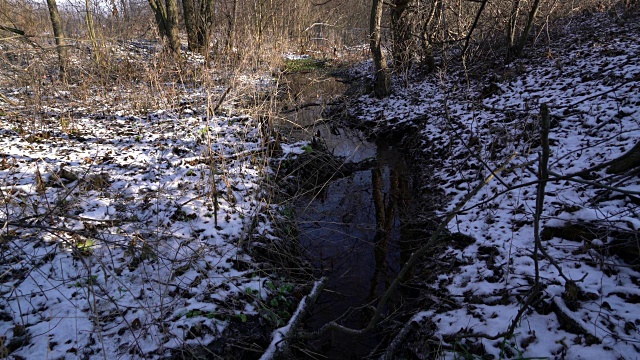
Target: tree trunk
{"points": [[124, 4], [511, 31], [401, 34], [91, 31], [382, 78], [166, 14], [519, 47], [59, 35], [188, 8], [198, 19], [427, 47], [473, 27], [231, 35]]}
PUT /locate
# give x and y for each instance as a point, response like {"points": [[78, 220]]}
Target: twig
{"points": [[307, 105], [543, 177], [593, 183], [473, 153], [598, 95]]}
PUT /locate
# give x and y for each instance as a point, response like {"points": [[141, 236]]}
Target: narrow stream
{"points": [[350, 226]]}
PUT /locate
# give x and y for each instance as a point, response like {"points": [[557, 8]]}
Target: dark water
{"points": [[351, 231], [350, 227]]}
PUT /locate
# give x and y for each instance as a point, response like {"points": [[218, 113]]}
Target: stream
{"points": [[351, 225]]}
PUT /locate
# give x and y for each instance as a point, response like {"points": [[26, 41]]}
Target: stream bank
{"points": [[361, 205]]}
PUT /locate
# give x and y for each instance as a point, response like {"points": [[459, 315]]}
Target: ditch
{"points": [[354, 201]]}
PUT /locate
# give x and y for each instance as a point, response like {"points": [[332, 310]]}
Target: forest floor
{"points": [[472, 122], [125, 231], [134, 234]]}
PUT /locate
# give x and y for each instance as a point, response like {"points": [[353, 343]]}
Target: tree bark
{"points": [[382, 78], [91, 30], [166, 14], [525, 33], [58, 33], [427, 47], [198, 19], [231, 36], [189, 11], [124, 4], [401, 34], [473, 27], [511, 31]]}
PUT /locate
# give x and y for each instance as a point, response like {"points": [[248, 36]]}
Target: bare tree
{"points": [[166, 14], [56, 23], [515, 45], [525, 34], [511, 31], [382, 78], [198, 19], [91, 30], [233, 19], [401, 33]]}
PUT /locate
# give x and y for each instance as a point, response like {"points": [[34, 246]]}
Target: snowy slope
{"points": [[590, 79]]}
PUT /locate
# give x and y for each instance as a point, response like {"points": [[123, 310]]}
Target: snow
{"points": [[592, 90], [125, 258], [111, 264], [296, 57], [279, 335]]}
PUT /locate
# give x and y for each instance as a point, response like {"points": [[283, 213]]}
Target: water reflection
{"points": [[308, 97], [352, 233], [352, 228]]}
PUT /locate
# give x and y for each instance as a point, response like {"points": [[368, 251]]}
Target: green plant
{"points": [[251, 292], [84, 247], [90, 280], [242, 317], [195, 313], [304, 64], [277, 309]]}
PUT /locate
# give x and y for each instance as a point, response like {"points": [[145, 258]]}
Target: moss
{"points": [[304, 65]]}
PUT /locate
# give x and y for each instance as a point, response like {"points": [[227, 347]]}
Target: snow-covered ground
{"points": [[122, 235], [590, 79]]}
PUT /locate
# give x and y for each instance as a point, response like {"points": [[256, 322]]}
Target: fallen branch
{"points": [[567, 317], [280, 336], [219, 103], [308, 105], [557, 177], [399, 339], [7, 100]]}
